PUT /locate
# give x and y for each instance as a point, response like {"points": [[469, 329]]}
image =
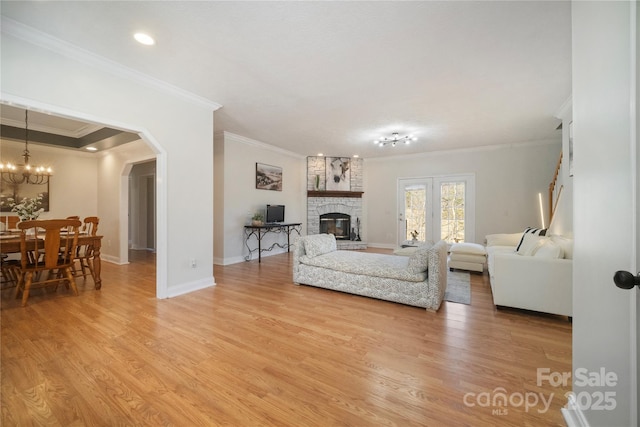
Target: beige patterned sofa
{"points": [[419, 280]]}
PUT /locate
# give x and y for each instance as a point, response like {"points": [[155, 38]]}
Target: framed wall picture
{"points": [[268, 177], [338, 173], [17, 192]]}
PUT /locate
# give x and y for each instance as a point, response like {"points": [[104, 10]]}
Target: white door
{"points": [[637, 291], [605, 320], [636, 134], [414, 209]]}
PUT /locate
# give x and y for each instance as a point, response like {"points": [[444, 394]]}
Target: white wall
{"points": [[241, 199], [40, 71], [508, 180], [72, 188]]}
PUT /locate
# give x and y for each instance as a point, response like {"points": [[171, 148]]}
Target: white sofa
{"points": [[532, 278]]}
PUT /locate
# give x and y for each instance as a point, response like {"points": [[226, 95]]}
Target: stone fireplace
{"points": [[343, 207], [335, 212]]}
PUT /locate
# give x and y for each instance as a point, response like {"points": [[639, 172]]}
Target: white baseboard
{"points": [[185, 288], [112, 259], [383, 245], [240, 258], [573, 415], [228, 261]]}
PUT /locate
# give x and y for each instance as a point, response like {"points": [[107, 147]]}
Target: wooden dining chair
{"points": [[10, 221], [47, 249], [85, 252], [9, 272]]}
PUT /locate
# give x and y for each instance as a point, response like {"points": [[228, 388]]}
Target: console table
{"points": [[259, 231]]}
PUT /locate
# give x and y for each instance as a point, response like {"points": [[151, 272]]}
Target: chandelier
{"points": [[25, 173], [394, 139]]}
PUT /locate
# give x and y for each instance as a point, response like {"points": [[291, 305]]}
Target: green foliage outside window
{"points": [[452, 211]]}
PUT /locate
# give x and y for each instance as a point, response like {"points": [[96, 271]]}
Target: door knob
{"points": [[626, 280]]}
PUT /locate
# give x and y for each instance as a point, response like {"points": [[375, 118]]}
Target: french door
{"points": [[437, 208]]}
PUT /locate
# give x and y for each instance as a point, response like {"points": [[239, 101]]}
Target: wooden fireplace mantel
{"points": [[355, 194]]}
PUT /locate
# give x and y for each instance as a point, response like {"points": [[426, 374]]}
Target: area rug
{"points": [[458, 287]]}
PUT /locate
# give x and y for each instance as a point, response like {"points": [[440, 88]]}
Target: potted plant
{"points": [[27, 209], [257, 219]]}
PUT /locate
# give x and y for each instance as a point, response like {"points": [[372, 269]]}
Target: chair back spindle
{"points": [[85, 252]]}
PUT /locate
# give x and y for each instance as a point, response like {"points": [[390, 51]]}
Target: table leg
{"points": [[259, 247], [97, 263]]}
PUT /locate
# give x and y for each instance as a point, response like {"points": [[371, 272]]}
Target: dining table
{"points": [[10, 243]]}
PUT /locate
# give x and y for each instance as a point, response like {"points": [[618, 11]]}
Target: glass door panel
{"points": [[414, 210], [452, 211]]}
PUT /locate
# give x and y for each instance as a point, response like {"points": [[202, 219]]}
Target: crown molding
{"points": [[259, 144], [494, 147], [46, 41]]}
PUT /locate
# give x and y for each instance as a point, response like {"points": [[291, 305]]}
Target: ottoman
{"points": [[467, 256]]}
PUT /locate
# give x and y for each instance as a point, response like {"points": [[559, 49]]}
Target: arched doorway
{"points": [[116, 206]]}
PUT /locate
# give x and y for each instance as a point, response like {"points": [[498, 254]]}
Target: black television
{"points": [[275, 213]]}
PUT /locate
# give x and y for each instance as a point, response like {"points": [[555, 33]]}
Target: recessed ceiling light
{"points": [[92, 149], [320, 154], [144, 39], [355, 156]]}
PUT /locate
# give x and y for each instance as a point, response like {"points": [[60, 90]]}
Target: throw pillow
{"points": [[531, 230], [547, 248], [419, 261], [318, 244], [503, 239], [566, 244], [529, 244], [408, 251]]}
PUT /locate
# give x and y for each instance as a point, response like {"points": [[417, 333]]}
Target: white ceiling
{"points": [[331, 77]]}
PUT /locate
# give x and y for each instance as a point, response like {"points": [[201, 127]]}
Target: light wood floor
{"points": [[258, 350]]}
